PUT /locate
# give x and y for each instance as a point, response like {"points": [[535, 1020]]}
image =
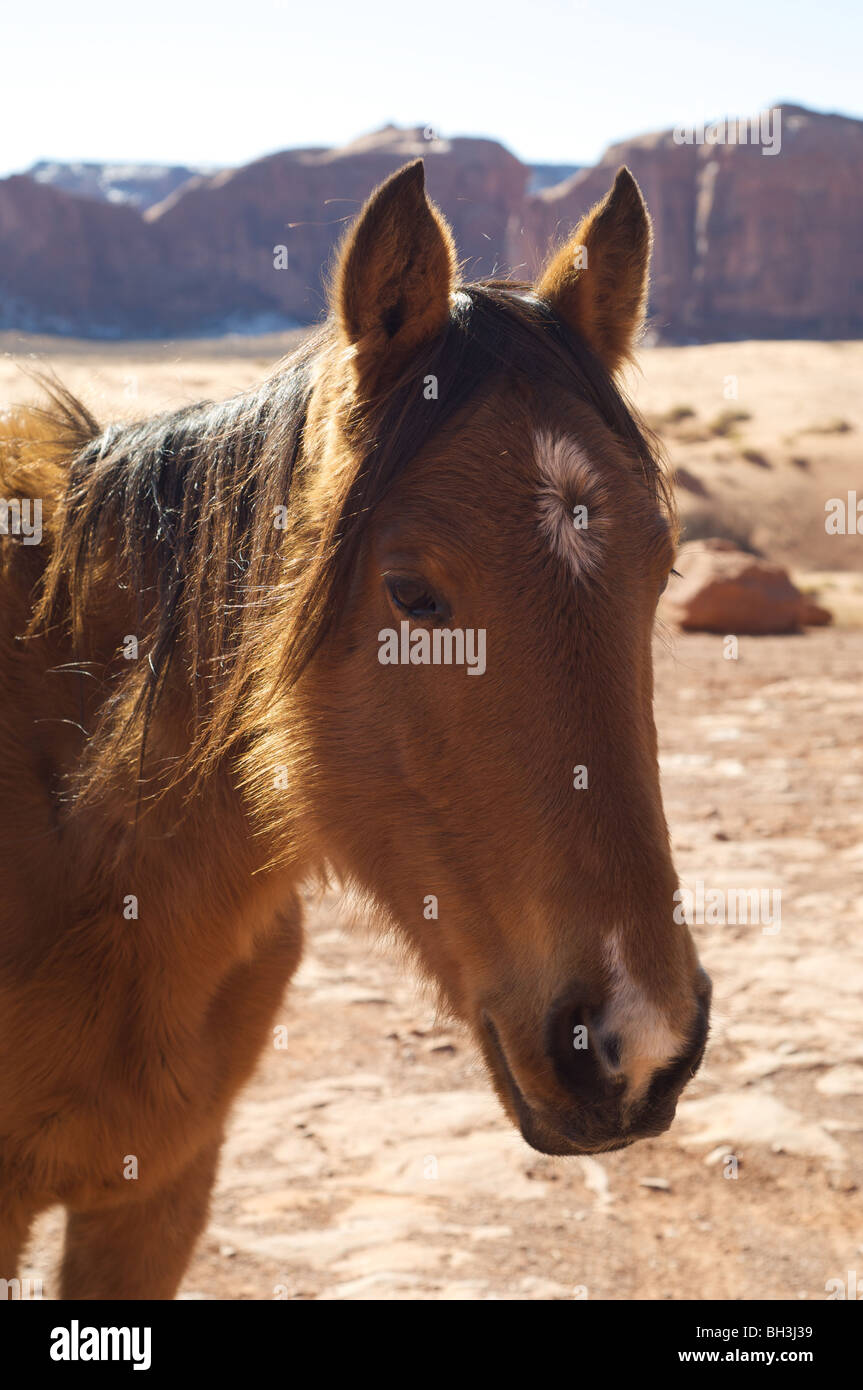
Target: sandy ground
{"points": [[369, 1158], [774, 433]]}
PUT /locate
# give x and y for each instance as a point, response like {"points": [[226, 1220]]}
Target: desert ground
{"points": [[369, 1158]]}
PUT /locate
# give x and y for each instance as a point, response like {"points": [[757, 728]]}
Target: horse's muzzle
{"points": [[592, 1111]]}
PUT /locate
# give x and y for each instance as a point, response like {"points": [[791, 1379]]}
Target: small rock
{"points": [[726, 590]]}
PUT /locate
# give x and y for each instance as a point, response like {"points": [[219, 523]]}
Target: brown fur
{"points": [[394, 279], [257, 739], [606, 298]]}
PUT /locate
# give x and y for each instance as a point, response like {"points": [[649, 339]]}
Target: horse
{"points": [[200, 719]]}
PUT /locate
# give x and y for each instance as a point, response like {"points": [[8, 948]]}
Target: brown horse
{"points": [[247, 651]]}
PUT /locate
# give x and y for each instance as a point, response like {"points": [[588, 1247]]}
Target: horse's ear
{"points": [[597, 282], [394, 276]]}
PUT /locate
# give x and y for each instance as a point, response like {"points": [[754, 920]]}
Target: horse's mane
{"points": [[178, 512]]}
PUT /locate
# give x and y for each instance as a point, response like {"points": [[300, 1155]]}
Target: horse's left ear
{"points": [[394, 276], [597, 282]]}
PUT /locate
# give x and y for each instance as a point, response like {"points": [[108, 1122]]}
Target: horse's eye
{"points": [[414, 597], [664, 585]]}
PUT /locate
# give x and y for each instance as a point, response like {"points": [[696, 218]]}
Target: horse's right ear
{"points": [[394, 276]]}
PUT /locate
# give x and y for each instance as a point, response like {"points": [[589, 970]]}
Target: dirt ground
{"points": [[369, 1158]]}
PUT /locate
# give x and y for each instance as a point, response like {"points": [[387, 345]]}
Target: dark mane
{"points": [[179, 511]]}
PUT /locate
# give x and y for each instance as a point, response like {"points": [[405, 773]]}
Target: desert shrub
{"points": [[755, 456], [706, 523], [723, 423], [835, 426], [677, 413]]}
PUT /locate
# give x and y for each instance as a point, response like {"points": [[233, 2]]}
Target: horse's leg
{"points": [[139, 1249], [14, 1228]]}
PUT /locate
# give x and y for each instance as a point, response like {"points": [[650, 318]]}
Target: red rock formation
{"points": [[778, 238], [667, 175], [71, 264], [747, 244], [220, 231], [140, 185], [724, 590]]}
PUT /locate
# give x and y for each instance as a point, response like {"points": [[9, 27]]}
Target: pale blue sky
{"points": [[222, 81]]}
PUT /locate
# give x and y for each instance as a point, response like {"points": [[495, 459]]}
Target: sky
{"points": [[218, 82]]}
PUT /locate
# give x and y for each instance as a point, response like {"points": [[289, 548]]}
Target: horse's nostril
{"points": [[584, 1060], [611, 1048]]}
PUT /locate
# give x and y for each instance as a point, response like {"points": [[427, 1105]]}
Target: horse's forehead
{"points": [[589, 501], [533, 472], [571, 500]]}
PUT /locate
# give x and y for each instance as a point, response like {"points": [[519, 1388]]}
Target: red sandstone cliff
{"points": [[747, 244]]}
